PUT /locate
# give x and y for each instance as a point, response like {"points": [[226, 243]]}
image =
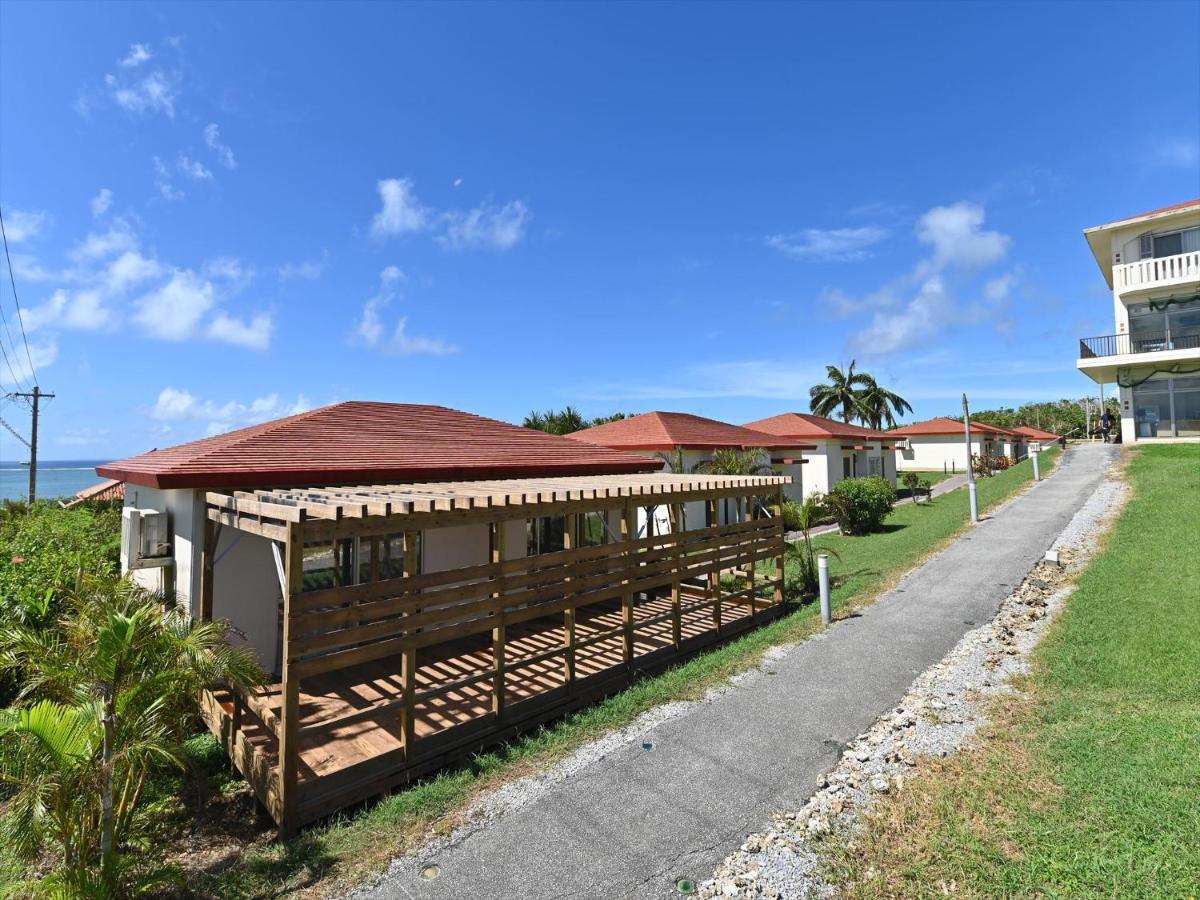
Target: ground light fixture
{"points": [[431, 872], [685, 885]]}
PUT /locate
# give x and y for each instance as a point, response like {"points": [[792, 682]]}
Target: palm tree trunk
{"points": [[106, 797]]}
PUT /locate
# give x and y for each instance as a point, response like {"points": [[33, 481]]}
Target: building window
{"points": [[544, 535], [846, 466], [875, 465], [1171, 243], [1167, 407]]}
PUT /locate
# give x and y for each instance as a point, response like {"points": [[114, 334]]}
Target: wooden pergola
{"points": [[389, 672]]}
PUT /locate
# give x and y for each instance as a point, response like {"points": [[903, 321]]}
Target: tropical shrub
{"points": [[912, 481], [802, 578], [859, 505], [109, 695]]}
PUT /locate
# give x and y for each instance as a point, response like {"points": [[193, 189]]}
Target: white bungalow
{"points": [[836, 450], [939, 445]]}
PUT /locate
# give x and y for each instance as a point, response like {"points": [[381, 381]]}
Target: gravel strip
{"points": [[939, 715]]}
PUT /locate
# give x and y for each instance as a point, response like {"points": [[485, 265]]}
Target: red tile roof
{"points": [[944, 425], [1174, 207], [361, 442], [812, 427], [669, 430], [1037, 434], [109, 489]]}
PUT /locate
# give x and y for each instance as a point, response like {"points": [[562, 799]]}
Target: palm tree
{"points": [[877, 405], [838, 395], [121, 674], [807, 513], [737, 462]]}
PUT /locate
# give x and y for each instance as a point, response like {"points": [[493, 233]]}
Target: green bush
{"points": [[791, 515], [859, 505], [43, 551]]}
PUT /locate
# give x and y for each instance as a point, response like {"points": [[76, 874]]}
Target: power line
{"points": [[20, 318]]}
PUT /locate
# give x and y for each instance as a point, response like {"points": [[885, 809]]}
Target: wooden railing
{"points": [[1165, 270]]}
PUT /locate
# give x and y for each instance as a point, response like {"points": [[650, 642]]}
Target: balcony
{"points": [[1163, 271], [1126, 344]]}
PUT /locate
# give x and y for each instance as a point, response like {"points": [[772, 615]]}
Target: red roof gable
{"points": [[1174, 207], [1037, 434], [944, 425], [360, 442], [668, 430], [813, 427]]}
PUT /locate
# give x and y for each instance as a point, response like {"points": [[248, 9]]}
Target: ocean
{"points": [[56, 478]]}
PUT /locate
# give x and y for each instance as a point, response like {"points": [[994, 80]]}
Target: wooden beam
{"points": [[714, 577], [676, 605], [498, 636], [628, 531], [289, 731], [570, 525], [208, 551], [779, 560]]}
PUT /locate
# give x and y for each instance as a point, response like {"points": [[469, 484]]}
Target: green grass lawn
{"points": [[1089, 782], [361, 843], [932, 477]]}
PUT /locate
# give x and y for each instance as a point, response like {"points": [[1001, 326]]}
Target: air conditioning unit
{"points": [[145, 539]]}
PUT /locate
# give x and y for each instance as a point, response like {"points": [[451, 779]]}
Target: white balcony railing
{"points": [[1160, 272]]}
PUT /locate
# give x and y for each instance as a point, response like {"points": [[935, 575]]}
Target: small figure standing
{"points": [[1106, 425]]}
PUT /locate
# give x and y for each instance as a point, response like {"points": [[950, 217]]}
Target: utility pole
{"points": [[34, 397], [971, 490]]}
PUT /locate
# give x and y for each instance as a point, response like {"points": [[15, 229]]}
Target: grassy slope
{"points": [[362, 843], [1089, 783]]}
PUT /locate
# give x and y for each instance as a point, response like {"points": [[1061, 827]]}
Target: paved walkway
{"points": [[629, 824]]}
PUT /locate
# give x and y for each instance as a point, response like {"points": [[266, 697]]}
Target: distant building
{"points": [[1152, 264], [939, 445], [109, 489], [839, 450]]}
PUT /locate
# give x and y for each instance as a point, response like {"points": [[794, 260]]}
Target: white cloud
{"points": [[138, 54], [1181, 153], [117, 239], [130, 269], [224, 153], [371, 330], [101, 202], [193, 169], [920, 307], [254, 334], [155, 92], [309, 269], [236, 274], [162, 181], [828, 244], [173, 311], [177, 405], [487, 226], [43, 355], [21, 225], [958, 239], [401, 213]]}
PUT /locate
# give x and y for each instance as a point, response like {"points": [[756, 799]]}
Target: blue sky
{"points": [[221, 213]]}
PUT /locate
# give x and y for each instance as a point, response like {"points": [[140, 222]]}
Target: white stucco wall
{"points": [[936, 453]]}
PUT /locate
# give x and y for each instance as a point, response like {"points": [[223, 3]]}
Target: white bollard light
{"points": [[971, 491], [823, 576]]}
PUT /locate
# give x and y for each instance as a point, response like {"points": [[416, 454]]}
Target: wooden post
{"points": [[714, 577], [289, 718], [208, 551], [569, 532], [628, 530], [408, 661], [676, 605], [779, 560], [749, 573], [498, 648]]}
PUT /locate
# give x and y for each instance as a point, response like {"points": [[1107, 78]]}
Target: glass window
{"points": [[1168, 244], [545, 535], [1187, 408], [1152, 409], [845, 467]]}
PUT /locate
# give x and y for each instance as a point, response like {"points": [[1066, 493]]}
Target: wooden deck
{"points": [[365, 697], [388, 678]]}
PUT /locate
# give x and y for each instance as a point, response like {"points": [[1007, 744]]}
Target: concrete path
{"points": [[632, 822]]}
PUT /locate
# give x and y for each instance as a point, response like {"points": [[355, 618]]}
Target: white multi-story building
{"points": [[1152, 264]]}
